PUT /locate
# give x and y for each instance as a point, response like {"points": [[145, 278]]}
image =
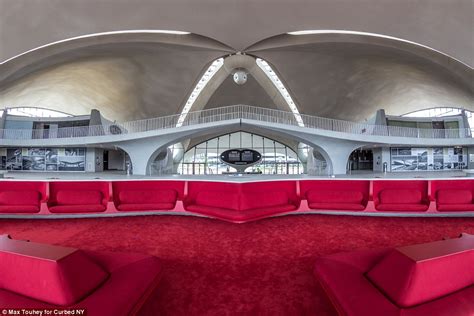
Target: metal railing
{"points": [[231, 113]]}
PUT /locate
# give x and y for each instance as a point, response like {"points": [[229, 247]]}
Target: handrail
{"points": [[231, 113]]}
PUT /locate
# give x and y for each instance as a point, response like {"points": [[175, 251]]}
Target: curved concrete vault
{"points": [[133, 75], [127, 76]]}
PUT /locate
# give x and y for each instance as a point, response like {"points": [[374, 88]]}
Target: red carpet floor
{"points": [[217, 268]]}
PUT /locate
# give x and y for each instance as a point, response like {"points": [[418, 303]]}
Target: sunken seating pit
{"points": [[427, 279], [44, 276], [236, 201]]}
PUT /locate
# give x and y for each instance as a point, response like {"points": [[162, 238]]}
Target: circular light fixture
{"points": [[240, 77]]}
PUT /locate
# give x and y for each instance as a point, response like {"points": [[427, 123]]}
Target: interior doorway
{"points": [[105, 160], [114, 160], [361, 159]]}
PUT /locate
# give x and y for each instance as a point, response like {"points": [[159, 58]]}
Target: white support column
{"points": [[339, 152]]}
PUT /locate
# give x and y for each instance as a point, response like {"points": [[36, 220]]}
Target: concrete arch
{"points": [[143, 152], [238, 61]]}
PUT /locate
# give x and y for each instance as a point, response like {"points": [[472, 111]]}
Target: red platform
{"points": [[45, 276], [427, 279]]}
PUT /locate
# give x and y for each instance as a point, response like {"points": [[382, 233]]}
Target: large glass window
{"points": [[35, 112], [443, 111], [277, 158]]}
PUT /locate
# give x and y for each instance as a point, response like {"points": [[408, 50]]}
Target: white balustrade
{"points": [[231, 113]]}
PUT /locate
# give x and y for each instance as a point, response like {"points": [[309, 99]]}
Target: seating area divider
{"points": [[237, 201]]}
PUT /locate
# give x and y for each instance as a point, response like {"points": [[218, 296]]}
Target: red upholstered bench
{"points": [[78, 197], [262, 199], [147, 195], [349, 195], [428, 279], [401, 196], [45, 276], [215, 199], [240, 202], [453, 195], [21, 197]]}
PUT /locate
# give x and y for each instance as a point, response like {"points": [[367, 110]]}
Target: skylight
{"points": [[311, 32], [210, 72], [267, 69], [171, 32]]}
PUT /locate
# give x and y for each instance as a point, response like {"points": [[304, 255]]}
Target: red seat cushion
{"points": [[453, 196], [77, 208], [417, 274], [332, 196], [147, 196], [249, 200], [218, 199], [455, 207], [146, 207], [24, 197], [400, 207], [337, 206], [19, 208], [79, 197], [48, 273], [400, 196]]}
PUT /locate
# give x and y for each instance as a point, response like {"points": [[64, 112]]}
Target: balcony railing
{"points": [[231, 113]]}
